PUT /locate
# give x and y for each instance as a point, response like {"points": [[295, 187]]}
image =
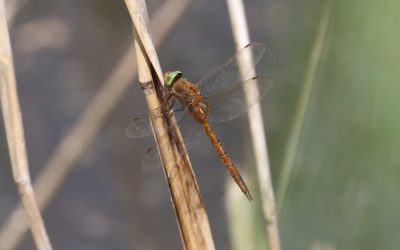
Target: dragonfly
{"points": [[219, 96]]}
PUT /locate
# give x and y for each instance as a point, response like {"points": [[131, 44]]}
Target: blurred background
{"points": [[342, 186]]}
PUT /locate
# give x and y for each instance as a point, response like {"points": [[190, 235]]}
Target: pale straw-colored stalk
{"points": [[258, 137], [82, 134], [189, 209], [16, 139], [302, 107], [12, 8]]}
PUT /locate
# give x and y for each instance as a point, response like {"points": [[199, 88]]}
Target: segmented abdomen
{"points": [[226, 159]]}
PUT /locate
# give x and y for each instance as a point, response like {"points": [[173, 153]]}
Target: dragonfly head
{"points": [[170, 77]]}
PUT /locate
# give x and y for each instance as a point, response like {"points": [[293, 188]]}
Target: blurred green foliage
{"points": [[344, 188]]}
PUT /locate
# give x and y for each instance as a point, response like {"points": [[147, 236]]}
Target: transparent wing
{"points": [[140, 126], [190, 131], [231, 102], [229, 73], [151, 159]]}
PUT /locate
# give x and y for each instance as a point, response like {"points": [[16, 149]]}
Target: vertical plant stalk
{"points": [[189, 209], [15, 137], [243, 232], [302, 106], [241, 36], [12, 8], [82, 134]]}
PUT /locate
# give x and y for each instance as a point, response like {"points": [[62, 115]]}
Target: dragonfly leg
{"points": [[181, 108], [173, 102]]}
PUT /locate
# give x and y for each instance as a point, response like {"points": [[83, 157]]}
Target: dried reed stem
{"points": [[12, 8], [76, 142], [190, 212], [302, 106], [15, 137], [241, 35]]}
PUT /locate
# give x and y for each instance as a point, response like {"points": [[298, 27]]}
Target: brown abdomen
{"points": [[226, 159]]}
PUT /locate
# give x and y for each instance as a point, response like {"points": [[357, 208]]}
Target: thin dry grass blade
{"points": [[13, 7], [84, 132], [241, 35], [136, 9], [302, 107], [190, 212], [16, 139]]}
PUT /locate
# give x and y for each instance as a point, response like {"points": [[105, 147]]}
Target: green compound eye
{"points": [[171, 77]]}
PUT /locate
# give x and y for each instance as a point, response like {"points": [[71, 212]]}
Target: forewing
{"points": [[229, 73], [140, 126], [236, 100]]}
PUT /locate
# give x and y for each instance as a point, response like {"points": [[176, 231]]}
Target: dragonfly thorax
{"points": [[188, 94]]}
